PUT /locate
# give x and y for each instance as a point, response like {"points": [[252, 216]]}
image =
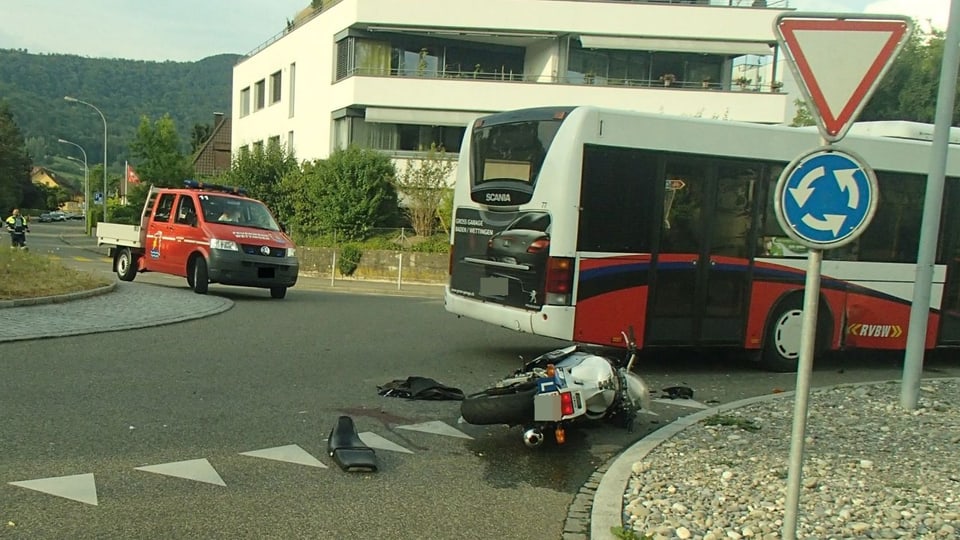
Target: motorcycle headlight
{"points": [[226, 245]]}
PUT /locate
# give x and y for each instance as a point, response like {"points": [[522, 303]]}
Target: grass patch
{"points": [[734, 421], [24, 275], [626, 533]]}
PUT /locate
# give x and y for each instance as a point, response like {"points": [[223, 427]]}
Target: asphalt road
{"points": [[269, 374]]}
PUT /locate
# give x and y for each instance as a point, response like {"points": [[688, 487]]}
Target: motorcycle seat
{"points": [[347, 450]]}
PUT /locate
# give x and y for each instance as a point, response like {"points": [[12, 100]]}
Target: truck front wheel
{"points": [[199, 276], [126, 264]]}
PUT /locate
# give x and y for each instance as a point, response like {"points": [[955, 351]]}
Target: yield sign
{"points": [[839, 60]]}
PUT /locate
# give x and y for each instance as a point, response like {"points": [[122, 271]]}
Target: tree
{"points": [[803, 116], [261, 172], [445, 212], [14, 161], [348, 194], [199, 135], [908, 91], [157, 147], [422, 186]]}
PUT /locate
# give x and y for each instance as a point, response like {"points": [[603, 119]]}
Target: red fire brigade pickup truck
{"points": [[207, 233]]}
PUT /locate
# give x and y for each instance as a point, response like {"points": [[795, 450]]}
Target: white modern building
{"points": [[398, 76]]}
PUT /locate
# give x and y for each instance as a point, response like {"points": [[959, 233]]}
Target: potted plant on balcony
{"points": [[742, 81], [705, 82], [775, 86], [668, 78]]}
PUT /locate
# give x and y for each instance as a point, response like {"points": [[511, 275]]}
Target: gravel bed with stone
{"points": [[871, 469]]}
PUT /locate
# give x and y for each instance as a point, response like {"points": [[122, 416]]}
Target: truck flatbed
{"points": [[118, 234]]}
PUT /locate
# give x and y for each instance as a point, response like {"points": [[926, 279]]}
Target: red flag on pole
{"points": [[132, 177]]}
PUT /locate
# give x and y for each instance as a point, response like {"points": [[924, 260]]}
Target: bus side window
{"points": [[617, 200]]}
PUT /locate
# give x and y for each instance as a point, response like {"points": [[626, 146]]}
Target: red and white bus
{"points": [[577, 222]]}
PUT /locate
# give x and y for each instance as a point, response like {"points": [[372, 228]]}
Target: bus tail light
{"points": [[559, 281]]}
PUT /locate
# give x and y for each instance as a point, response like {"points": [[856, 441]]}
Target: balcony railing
{"points": [[581, 80]]}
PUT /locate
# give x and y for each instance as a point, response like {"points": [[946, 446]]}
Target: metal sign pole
{"points": [[932, 206], [826, 198], [808, 334]]}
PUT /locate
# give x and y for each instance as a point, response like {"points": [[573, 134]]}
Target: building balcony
{"points": [[493, 92]]}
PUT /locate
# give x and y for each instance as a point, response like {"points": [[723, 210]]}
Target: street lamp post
{"points": [[86, 184], [75, 100]]}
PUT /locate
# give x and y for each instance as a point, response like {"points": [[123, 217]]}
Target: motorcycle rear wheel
{"points": [[512, 405]]}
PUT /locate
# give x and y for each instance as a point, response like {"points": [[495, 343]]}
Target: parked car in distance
{"points": [[58, 216], [46, 217]]}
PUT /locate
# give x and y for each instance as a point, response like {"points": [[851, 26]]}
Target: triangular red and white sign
{"points": [[839, 60]]}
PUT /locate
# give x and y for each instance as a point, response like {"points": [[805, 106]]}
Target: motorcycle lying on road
{"points": [[18, 236], [559, 388]]}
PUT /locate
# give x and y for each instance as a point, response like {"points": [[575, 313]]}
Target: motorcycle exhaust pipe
{"points": [[532, 437]]}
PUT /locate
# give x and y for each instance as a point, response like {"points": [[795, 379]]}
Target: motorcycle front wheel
{"points": [[512, 405]]}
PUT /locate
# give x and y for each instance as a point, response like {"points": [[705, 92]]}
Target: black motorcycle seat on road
{"points": [[347, 450]]}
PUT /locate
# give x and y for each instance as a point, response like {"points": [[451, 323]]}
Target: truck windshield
{"points": [[237, 211]]}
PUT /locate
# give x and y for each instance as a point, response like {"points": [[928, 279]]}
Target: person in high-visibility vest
{"points": [[18, 226]]}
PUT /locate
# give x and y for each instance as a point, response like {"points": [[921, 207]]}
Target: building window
{"points": [[244, 102], [259, 94], [290, 142], [292, 84], [395, 137], [258, 147], [275, 88], [273, 142], [406, 56], [644, 68]]}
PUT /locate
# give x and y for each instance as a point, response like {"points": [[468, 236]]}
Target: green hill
{"points": [[34, 85]]}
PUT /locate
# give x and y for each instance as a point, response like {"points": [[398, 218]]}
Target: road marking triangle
{"points": [[436, 428], [198, 470], [373, 440], [290, 453], [78, 487]]}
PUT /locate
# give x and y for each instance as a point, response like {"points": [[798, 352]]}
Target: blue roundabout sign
{"points": [[826, 198]]}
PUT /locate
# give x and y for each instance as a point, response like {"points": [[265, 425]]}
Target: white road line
{"points": [[198, 470], [78, 487], [290, 453]]}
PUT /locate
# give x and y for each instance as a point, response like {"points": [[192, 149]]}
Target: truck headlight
{"points": [[291, 252], [226, 245]]}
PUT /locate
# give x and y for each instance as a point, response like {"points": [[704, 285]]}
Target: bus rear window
{"points": [[511, 152]]}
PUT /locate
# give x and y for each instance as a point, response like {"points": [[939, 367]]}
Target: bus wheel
{"points": [[511, 405], [198, 272], [781, 346], [126, 265]]}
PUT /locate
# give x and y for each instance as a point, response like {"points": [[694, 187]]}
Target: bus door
{"points": [[950, 251], [700, 277]]}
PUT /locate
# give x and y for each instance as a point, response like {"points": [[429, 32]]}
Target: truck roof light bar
{"points": [[235, 190]]}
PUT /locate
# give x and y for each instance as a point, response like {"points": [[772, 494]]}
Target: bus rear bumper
{"points": [[550, 321]]}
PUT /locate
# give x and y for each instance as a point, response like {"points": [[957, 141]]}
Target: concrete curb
{"points": [[56, 299], [607, 511]]}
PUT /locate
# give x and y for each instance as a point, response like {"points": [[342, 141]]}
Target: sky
{"points": [[191, 30]]}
